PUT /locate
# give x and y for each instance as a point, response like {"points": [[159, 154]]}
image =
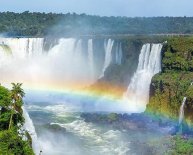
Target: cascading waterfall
{"points": [[65, 62], [29, 127], [78, 51], [181, 114], [108, 54], [90, 57], [149, 64], [118, 54], [35, 46], [65, 59], [61, 64], [21, 47]]}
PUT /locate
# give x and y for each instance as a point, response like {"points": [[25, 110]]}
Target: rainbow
{"points": [[113, 97], [109, 99], [96, 93]]}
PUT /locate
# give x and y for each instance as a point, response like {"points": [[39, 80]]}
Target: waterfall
{"points": [[21, 47], [35, 46], [29, 127], [90, 57], [181, 114], [149, 64], [79, 52], [61, 65], [108, 50], [118, 54]]}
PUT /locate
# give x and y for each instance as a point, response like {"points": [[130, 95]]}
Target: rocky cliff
{"points": [[174, 82]]}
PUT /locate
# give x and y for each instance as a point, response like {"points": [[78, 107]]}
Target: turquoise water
{"points": [[83, 138]]}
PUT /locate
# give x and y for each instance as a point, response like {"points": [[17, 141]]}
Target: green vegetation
{"points": [[41, 24], [167, 92], [13, 140], [169, 87], [117, 77], [181, 146], [6, 48], [178, 54]]}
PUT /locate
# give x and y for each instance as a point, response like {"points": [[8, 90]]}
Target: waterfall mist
{"points": [[108, 45], [74, 63], [69, 63], [29, 127], [73, 132], [181, 113], [137, 95]]}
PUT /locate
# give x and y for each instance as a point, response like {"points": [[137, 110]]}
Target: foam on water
{"points": [[29, 127], [108, 54], [95, 138], [137, 95]]}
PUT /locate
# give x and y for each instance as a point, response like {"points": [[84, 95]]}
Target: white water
{"points": [[61, 66], [181, 114], [94, 139], [149, 64], [24, 46], [90, 57], [108, 142], [118, 54], [108, 54], [29, 127], [35, 46], [63, 63]]}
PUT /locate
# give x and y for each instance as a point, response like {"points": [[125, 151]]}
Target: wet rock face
{"points": [[155, 86], [173, 84], [55, 128], [117, 121], [167, 92], [183, 129], [139, 122]]}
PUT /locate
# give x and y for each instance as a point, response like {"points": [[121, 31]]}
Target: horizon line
{"points": [[94, 15]]}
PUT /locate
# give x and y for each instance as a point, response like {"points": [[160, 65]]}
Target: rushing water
{"points": [[90, 57], [108, 54], [29, 127], [94, 139], [71, 63], [181, 114], [149, 64], [118, 54], [83, 138]]}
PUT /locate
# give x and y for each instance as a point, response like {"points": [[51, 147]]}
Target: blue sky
{"points": [[130, 8]]}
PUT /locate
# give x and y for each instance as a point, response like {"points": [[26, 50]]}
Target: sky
{"points": [[129, 8]]}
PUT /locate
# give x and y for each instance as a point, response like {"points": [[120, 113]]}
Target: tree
{"points": [[11, 122], [5, 99], [17, 93], [5, 103]]}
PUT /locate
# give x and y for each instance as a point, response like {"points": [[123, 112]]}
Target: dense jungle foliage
{"points": [[175, 82], [13, 139], [180, 146], [41, 24]]}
